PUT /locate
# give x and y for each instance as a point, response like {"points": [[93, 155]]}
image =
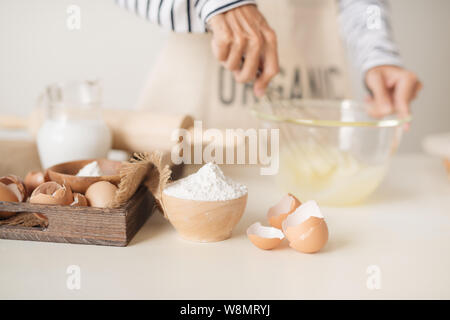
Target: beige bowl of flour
{"points": [[205, 206], [204, 221]]}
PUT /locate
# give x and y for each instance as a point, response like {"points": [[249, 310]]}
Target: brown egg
{"points": [[306, 228], [6, 194], [100, 194], [52, 193], [79, 200], [282, 209], [265, 238], [32, 180], [15, 184]]}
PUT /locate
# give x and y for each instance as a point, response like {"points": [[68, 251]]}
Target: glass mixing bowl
{"points": [[331, 151]]}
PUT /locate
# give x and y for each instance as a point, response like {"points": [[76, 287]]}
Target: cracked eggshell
{"points": [[52, 193], [7, 195], [278, 213], [265, 238], [16, 185], [79, 200], [306, 228], [313, 238]]}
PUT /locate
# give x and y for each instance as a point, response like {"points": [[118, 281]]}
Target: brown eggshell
{"points": [[52, 193], [312, 235], [282, 209], [291, 224], [32, 180], [264, 243], [16, 185], [265, 238], [7, 195], [306, 228], [79, 200], [100, 194]]}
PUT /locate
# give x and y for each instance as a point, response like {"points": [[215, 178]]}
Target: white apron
{"points": [[187, 79]]}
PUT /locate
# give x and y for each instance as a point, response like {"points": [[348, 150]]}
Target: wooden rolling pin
{"points": [[131, 130]]}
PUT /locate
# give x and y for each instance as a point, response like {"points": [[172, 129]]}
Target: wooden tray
{"points": [[83, 225]]}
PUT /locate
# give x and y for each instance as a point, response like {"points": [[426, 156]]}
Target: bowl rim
{"points": [[163, 194], [51, 170], [341, 103]]}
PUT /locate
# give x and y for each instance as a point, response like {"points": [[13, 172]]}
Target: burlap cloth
{"points": [[19, 157]]}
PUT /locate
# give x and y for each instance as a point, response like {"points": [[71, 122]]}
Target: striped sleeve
{"points": [[181, 15], [207, 9], [367, 31]]}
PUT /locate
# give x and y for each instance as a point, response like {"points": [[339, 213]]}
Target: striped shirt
{"points": [[364, 24], [181, 15]]}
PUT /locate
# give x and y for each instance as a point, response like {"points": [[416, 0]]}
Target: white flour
{"points": [[92, 169], [207, 184]]}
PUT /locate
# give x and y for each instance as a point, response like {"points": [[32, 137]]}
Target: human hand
{"points": [[244, 32], [392, 88]]}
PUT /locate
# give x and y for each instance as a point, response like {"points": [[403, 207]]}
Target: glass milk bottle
{"points": [[73, 128]]}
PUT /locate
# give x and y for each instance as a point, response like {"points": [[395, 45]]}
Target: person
{"points": [[245, 43]]}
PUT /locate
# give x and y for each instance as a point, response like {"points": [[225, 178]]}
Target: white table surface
{"points": [[404, 229]]}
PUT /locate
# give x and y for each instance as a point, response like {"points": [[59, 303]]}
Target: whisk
{"points": [[314, 153]]}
